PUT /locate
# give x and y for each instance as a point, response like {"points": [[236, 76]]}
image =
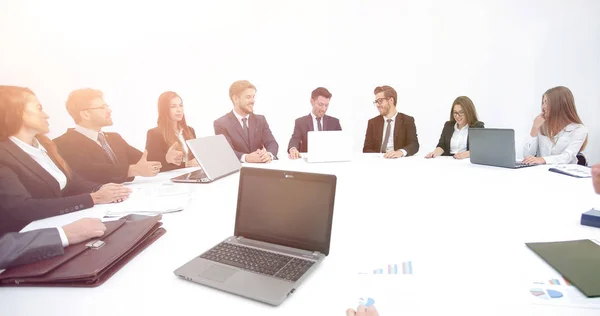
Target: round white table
{"points": [[462, 226]]}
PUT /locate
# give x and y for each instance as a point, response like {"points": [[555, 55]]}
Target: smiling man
{"points": [[316, 120], [392, 133], [96, 155], [248, 134]]}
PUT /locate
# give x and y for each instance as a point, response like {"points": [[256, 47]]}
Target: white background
{"points": [[502, 54]]}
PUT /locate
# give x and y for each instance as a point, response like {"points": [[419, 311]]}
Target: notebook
{"points": [[578, 261], [281, 234], [329, 146], [215, 157], [494, 147]]}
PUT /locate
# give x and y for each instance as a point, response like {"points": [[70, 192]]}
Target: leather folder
{"points": [[92, 262]]}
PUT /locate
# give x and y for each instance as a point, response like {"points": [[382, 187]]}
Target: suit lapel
{"points": [[253, 128], [89, 144], [378, 130], [397, 129], [311, 126], [32, 165], [238, 127]]}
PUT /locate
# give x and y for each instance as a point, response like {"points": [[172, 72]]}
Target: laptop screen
{"points": [[293, 209]]}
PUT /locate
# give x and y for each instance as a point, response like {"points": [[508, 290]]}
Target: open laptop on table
{"points": [[282, 233], [329, 146], [215, 157], [494, 147]]}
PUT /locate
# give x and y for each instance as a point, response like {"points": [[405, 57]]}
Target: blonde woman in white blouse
{"points": [[557, 134]]}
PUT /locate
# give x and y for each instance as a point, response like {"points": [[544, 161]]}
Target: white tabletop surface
{"points": [[462, 226]]}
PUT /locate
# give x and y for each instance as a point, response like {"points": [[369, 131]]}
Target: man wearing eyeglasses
{"points": [[96, 155], [392, 133]]}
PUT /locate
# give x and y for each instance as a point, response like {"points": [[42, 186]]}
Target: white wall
{"points": [[502, 54]]}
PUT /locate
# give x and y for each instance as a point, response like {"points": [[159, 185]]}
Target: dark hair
{"points": [[388, 92], [12, 105], [320, 92], [79, 100], [468, 108], [165, 124]]}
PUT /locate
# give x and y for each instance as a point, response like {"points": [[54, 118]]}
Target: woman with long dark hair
{"points": [[166, 142]]}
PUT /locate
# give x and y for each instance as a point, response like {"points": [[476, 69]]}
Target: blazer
{"points": [[405, 134], [91, 161], [157, 149], [446, 136], [305, 124], [22, 248], [28, 192], [260, 134]]}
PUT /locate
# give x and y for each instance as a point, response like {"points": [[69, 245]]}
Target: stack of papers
{"points": [[152, 200]]}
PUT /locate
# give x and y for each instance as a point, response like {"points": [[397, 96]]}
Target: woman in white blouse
{"points": [[35, 182], [455, 134], [557, 134]]}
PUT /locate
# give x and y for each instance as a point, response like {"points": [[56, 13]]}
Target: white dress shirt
{"points": [[91, 134], [458, 142], [239, 118], [563, 149], [390, 143], [40, 155]]}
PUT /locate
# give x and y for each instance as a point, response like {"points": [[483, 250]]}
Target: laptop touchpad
{"points": [[218, 273]]}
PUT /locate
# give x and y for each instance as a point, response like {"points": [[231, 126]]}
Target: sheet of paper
{"points": [[576, 170], [149, 200], [555, 290], [62, 220]]}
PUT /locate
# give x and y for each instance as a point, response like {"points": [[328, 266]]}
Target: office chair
{"points": [[581, 160]]}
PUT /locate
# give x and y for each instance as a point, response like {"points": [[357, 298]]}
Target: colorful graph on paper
{"points": [[393, 268], [561, 281]]}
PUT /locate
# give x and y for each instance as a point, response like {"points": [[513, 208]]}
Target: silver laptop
{"points": [[215, 157], [494, 147], [282, 233], [329, 146]]}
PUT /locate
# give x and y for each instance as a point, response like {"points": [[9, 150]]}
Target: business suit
{"points": [[92, 162], [157, 148], [446, 136], [28, 192], [305, 124], [22, 248], [405, 134], [259, 133]]}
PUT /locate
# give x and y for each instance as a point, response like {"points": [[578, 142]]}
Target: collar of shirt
{"points": [[393, 118], [93, 135], [36, 150], [239, 117], [466, 127]]}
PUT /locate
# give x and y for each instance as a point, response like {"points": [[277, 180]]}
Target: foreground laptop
{"points": [[215, 157], [282, 233], [494, 147], [329, 146]]}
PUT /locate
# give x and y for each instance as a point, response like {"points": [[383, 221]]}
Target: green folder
{"points": [[578, 261]]}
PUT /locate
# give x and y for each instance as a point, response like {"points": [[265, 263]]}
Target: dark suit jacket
{"points": [[28, 192], [260, 134], [91, 161], [22, 248], [305, 124], [446, 136], [405, 134], [157, 149]]}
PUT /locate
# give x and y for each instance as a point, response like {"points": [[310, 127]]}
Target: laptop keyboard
{"points": [[259, 261]]}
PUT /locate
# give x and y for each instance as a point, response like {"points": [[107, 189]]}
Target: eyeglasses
{"points": [[104, 107], [461, 113], [379, 101]]}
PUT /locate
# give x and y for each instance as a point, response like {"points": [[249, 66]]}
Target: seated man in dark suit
{"points": [[98, 156], [315, 121], [22, 248], [248, 134], [392, 132]]}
